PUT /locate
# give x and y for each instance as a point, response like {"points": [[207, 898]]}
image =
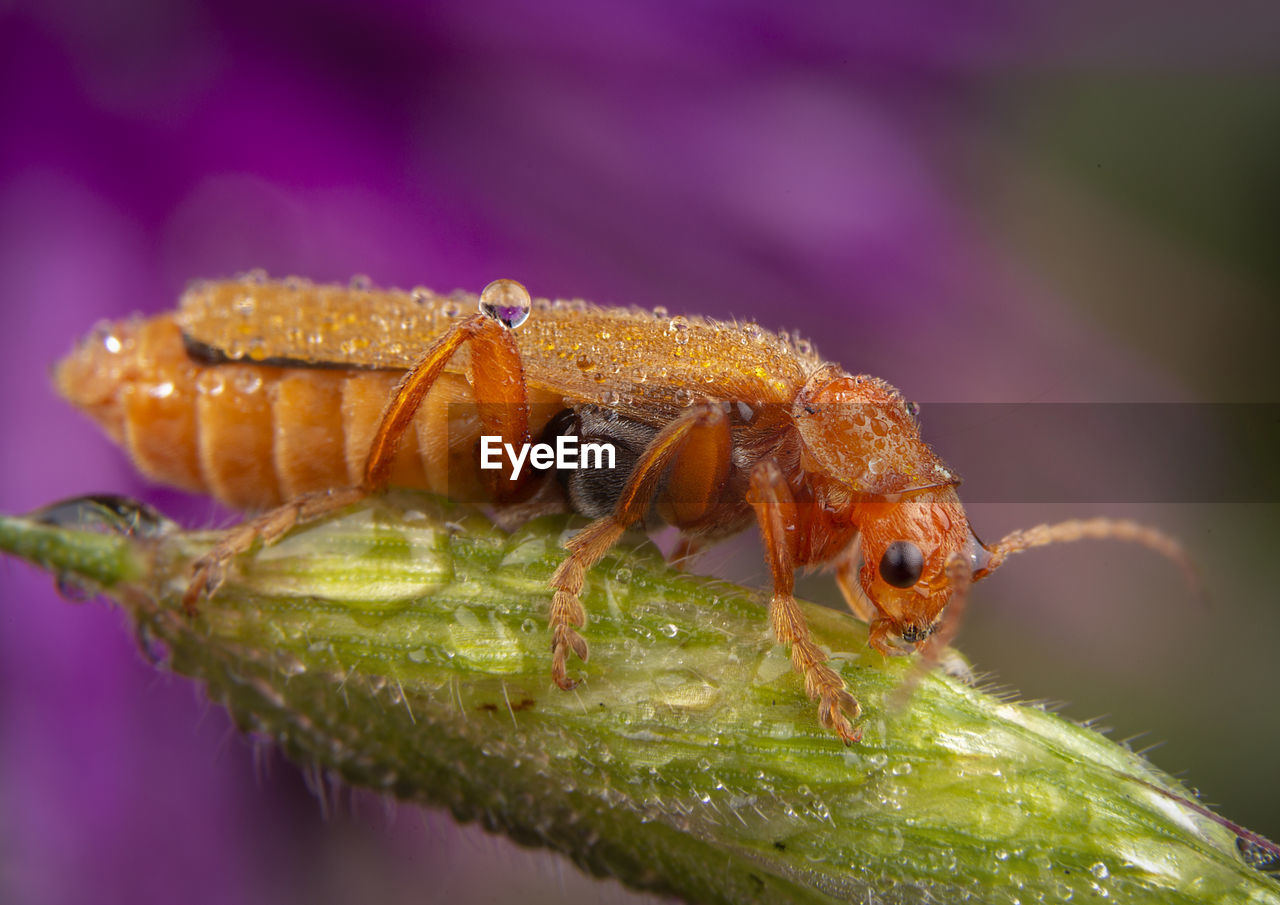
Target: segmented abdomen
{"points": [[253, 435]]}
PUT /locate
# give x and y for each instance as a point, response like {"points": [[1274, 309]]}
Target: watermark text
{"points": [[567, 453]]}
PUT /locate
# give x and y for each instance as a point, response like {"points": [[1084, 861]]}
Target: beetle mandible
{"points": [[298, 399]]}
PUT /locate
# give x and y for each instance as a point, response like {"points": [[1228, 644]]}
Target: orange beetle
{"points": [[297, 399]]}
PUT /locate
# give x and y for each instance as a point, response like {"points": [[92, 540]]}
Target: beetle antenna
{"points": [[1097, 529]]}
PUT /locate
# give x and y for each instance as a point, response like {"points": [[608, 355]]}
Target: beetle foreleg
{"points": [[850, 588], [776, 511]]}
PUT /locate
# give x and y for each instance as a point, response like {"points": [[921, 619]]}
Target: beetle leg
{"points": [[850, 587], [592, 542], [776, 511], [497, 379], [696, 483], [209, 570], [497, 382]]}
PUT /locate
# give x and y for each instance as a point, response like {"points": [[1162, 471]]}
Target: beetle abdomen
{"points": [[255, 435]]}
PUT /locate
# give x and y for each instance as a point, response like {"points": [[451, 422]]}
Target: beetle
{"points": [[297, 399]]}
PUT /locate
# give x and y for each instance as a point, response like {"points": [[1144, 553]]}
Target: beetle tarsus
{"points": [[566, 639], [836, 706], [210, 570], [835, 711]]}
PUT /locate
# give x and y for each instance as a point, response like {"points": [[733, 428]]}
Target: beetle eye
{"points": [[901, 564]]}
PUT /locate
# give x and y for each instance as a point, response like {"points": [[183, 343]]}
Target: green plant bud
{"points": [[403, 645]]}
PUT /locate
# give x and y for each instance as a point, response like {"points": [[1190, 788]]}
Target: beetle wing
{"points": [[644, 366]]}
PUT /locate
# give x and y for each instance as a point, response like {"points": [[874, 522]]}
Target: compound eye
{"points": [[901, 564]]}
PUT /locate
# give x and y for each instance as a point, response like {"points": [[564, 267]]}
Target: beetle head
{"points": [[919, 557]]}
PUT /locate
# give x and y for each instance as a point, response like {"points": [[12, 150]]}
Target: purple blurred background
{"points": [[976, 202]]}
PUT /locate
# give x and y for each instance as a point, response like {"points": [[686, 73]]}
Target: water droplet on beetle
{"points": [[678, 328], [360, 282], [210, 383], [507, 302]]}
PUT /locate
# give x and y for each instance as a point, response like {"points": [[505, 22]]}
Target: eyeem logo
{"points": [[567, 453]]}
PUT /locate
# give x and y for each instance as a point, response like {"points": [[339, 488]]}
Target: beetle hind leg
{"points": [[209, 571], [497, 379]]}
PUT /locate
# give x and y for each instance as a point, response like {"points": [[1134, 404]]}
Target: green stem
{"points": [[76, 556], [403, 645]]}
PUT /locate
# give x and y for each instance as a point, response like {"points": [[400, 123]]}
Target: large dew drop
{"points": [[507, 302]]}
